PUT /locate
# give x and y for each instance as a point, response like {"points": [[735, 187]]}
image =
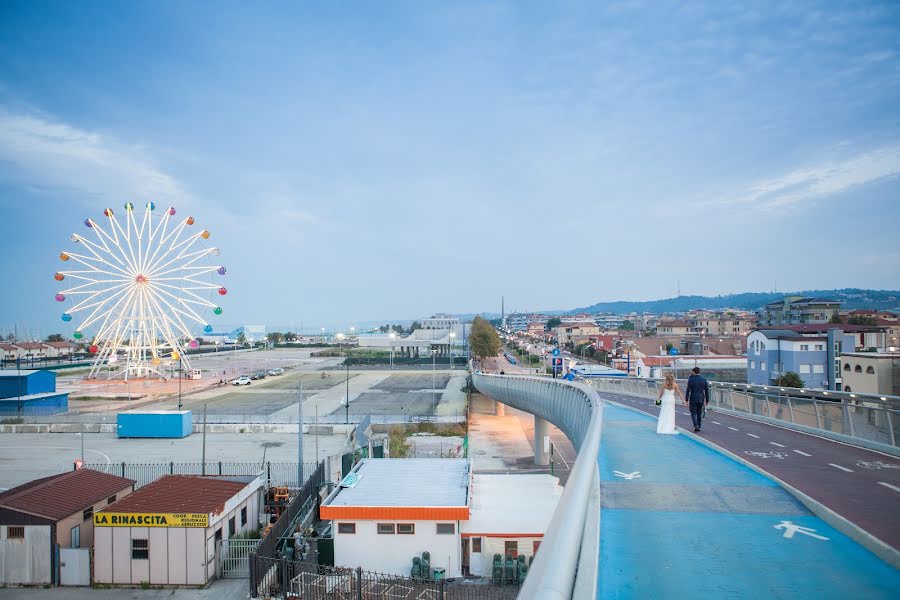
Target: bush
{"points": [[790, 379], [397, 443]]}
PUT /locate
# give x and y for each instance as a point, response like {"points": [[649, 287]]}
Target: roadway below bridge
{"points": [[680, 519]]}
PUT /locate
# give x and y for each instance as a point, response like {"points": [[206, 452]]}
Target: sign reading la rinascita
{"points": [[105, 519]]}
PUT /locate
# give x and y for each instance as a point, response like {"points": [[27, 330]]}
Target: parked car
{"points": [[258, 375], [276, 371], [242, 380]]}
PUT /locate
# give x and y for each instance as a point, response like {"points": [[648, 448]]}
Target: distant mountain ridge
{"points": [[852, 298]]}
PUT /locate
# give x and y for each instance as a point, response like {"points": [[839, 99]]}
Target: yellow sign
{"points": [[106, 519]]}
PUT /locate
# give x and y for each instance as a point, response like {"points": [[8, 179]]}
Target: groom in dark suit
{"points": [[696, 396]]}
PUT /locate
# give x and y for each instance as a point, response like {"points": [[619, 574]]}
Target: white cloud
{"points": [[39, 153], [803, 186]]}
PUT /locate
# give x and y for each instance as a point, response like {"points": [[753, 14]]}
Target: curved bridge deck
{"points": [[680, 520]]}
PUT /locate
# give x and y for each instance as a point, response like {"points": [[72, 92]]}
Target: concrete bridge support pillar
{"points": [[541, 456]]}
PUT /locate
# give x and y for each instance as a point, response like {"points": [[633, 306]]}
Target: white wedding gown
{"points": [[666, 422]]}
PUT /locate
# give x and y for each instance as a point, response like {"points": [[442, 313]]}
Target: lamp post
{"points": [[347, 407], [451, 336], [433, 383], [392, 335]]}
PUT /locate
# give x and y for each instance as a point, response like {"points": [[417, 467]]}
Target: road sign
{"points": [[557, 362], [555, 352]]}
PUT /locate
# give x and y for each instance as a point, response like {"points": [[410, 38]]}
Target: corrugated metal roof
{"points": [[183, 493], [59, 496], [408, 482]]}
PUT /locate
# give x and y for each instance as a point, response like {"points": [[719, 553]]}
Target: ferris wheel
{"points": [[142, 286]]}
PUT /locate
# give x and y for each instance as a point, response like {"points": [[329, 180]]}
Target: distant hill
{"points": [[852, 298]]}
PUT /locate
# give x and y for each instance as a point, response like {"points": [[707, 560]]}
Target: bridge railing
{"points": [[569, 550], [860, 419]]}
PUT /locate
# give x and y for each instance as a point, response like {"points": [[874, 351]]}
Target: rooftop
{"points": [[19, 372], [183, 494], [59, 496], [512, 504]]}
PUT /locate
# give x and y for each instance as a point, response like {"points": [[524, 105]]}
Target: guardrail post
{"points": [[791, 409], [123, 468], [890, 423], [220, 467], [848, 419], [818, 416], [171, 467]]}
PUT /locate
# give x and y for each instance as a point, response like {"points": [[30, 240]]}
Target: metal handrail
{"points": [[860, 419], [576, 410]]}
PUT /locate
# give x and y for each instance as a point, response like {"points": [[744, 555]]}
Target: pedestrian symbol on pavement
{"points": [[791, 528]]}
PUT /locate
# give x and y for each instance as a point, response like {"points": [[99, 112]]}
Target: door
{"points": [[75, 566], [465, 556]]}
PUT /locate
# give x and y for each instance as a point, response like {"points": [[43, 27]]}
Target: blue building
{"points": [[28, 393], [815, 357]]}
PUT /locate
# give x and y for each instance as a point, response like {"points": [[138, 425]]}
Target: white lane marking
{"points": [[887, 485], [733, 428], [753, 435], [802, 453], [716, 422], [841, 468], [777, 444]]}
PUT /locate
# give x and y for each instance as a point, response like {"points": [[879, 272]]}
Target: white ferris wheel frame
{"points": [[141, 288]]}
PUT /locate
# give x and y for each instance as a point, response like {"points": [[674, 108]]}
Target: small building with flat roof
{"points": [[388, 510], [41, 516], [170, 531]]}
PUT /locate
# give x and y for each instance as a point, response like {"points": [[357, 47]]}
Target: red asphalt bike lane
{"points": [[860, 485]]}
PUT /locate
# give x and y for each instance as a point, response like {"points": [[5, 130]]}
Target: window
{"points": [[87, 513], [15, 533], [386, 528], [446, 528], [75, 537], [406, 528], [804, 347], [847, 388], [820, 347], [818, 368], [511, 547], [857, 369], [804, 368], [846, 366], [140, 550], [476, 545], [231, 528], [762, 366], [243, 516], [752, 364], [346, 527], [111, 499], [870, 370]]}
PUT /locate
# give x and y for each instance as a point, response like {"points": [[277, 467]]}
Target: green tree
{"points": [[55, 337], [290, 336], [553, 322], [483, 339], [835, 318], [398, 329], [790, 379], [415, 325], [275, 337], [861, 320], [627, 326], [496, 322], [384, 328], [241, 338]]}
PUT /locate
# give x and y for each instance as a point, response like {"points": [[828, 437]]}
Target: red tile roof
{"points": [[60, 344], [7, 347], [59, 496], [674, 324], [182, 494], [29, 345]]}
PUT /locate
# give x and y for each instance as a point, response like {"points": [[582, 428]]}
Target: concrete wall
{"points": [[880, 382], [393, 554], [482, 564], [27, 561]]}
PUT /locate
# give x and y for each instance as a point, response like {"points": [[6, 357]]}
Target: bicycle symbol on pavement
{"points": [[876, 465], [772, 454]]}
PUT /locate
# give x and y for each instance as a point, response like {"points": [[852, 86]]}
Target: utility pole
{"points": [[203, 467], [300, 435], [180, 377], [433, 384], [347, 407]]}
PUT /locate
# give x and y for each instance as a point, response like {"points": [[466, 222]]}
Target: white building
{"points": [[386, 511], [440, 322], [167, 532]]}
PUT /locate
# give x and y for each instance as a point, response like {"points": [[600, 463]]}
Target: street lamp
{"points": [[347, 407], [433, 383], [392, 335], [452, 336]]}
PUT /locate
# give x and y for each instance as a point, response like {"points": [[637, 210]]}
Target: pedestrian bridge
{"points": [[747, 509]]}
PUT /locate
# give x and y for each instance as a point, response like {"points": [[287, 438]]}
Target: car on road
{"points": [[242, 380], [276, 371], [258, 375]]}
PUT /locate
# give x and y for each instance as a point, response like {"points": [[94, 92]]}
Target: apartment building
{"points": [[797, 310]]}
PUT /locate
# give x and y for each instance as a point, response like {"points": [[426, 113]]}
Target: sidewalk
{"points": [[680, 520]]}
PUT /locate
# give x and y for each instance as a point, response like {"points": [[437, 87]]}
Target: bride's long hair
{"points": [[670, 382]]}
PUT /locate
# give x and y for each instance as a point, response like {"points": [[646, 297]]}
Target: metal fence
{"points": [[269, 546], [275, 473], [283, 579], [235, 554], [338, 418], [862, 419]]}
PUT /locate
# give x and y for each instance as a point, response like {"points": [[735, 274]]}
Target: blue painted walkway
{"points": [[680, 520]]}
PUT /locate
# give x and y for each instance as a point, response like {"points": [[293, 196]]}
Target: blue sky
{"points": [[359, 161]]}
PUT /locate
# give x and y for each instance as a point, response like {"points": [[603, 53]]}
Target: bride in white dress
{"points": [[666, 402]]}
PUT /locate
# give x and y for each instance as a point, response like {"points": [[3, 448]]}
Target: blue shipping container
{"points": [[155, 424]]}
